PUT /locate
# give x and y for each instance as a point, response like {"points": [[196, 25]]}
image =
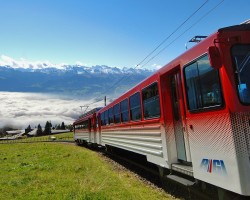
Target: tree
{"points": [[47, 128], [63, 126], [28, 129], [58, 127], [39, 131], [70, 127]]}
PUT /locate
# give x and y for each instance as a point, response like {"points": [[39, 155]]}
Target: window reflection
{"points": [[241, 58], [151, 101], [202, 85]]}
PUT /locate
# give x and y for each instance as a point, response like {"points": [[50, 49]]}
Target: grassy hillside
{"points": [[65, 171]]}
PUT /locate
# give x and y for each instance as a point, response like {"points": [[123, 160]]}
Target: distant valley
{"points": [[32, 95], [73, 80]]}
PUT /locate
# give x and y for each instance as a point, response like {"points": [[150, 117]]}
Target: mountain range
{"points": [[75, 80]]}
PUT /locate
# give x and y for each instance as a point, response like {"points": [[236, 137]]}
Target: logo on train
{"points": [[213, 166]]}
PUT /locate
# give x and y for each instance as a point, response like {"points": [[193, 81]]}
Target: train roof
{"points": [[94, 110], [185, 58], [86, 115], [241, 27]]}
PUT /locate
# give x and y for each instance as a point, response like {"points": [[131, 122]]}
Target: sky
{"points": [[117, 33]]}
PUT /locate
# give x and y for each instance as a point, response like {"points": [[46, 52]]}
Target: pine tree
{"points": [[39, 131], [58, 127], [47, 128], [28, 129], [63, 126]]}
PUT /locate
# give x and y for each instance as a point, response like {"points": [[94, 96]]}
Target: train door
{"points": [[94, 128], [90, 129], [178, 116], [98, 128]]}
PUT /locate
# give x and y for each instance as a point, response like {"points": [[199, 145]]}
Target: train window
{"points": [[83, 125], [151, 101], [124, 110], [97, 122], [90, 123], [103, 119], [175, 100], [241, 58], [106, 117], [117, 117], [202, 85], [135, 107], [111, 118]]}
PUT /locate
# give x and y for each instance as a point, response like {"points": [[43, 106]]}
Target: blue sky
{"points": [[117, 33]]}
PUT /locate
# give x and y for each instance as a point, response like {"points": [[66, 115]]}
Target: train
{"points": [[190, 118]]}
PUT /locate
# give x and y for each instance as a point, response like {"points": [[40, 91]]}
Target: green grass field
{"points": [[65, 171]]}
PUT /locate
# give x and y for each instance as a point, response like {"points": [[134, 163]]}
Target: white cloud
{"points": [[5, 60], [156, 66], [150, 67], [22, 109], [23, 63]]}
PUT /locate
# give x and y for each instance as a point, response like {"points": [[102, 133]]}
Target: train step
{"points": [[180, 180], [182, 168]]}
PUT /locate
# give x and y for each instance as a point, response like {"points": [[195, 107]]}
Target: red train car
{"points": [[85, 128], [193, 115]]}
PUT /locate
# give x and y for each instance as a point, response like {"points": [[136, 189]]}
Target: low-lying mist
{"points": [[22, 109]]}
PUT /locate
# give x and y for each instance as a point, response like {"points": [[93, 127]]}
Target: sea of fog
{"points": [[22, 109]]}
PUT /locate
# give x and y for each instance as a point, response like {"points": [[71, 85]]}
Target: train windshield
{"points": [[241, 58]]}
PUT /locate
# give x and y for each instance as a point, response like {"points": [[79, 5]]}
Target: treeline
{"points": [[48, 127]]}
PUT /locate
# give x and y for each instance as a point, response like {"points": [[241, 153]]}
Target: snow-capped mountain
{"points": [[69, 79], [78, 69]]}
